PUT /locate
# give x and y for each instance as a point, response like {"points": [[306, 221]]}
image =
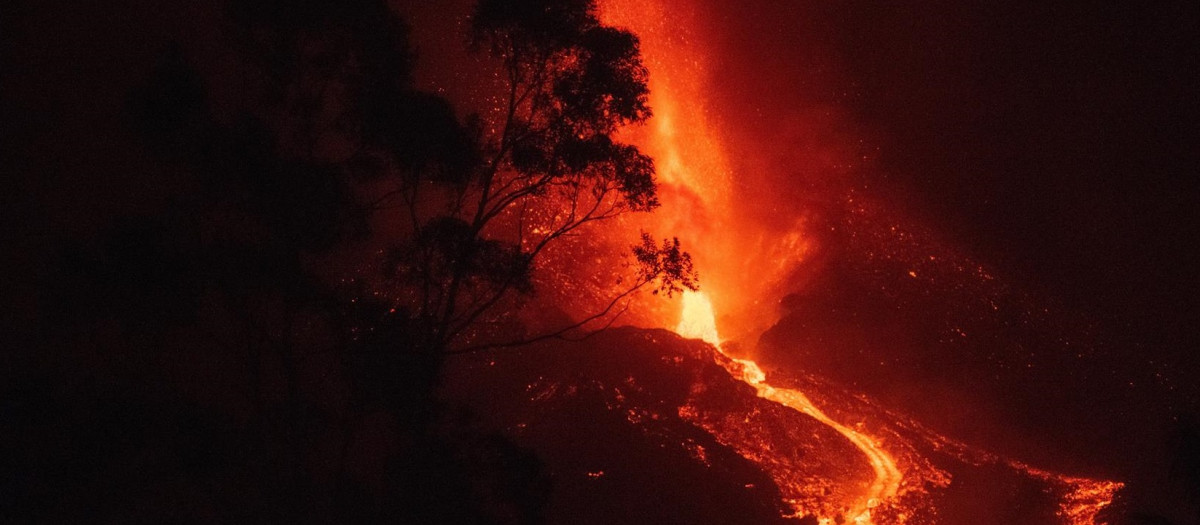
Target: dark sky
{"points": [[1054, 141], [1059, 142], [1062, 135]]}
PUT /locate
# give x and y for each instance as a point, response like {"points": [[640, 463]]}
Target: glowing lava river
{"points": [[698, 321], [1079, 499], [887, 476]]}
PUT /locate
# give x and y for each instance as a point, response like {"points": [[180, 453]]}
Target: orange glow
{"points": [[696, 182], [697, 196], [1083, 498]]}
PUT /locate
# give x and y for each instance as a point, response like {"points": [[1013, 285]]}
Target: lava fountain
{"points": [[700, 195], [697, 320]]}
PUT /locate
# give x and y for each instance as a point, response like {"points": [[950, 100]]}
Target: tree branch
{"points": [[558, 334]]}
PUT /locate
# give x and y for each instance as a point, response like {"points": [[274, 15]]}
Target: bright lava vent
{"points": [[697, 320]]}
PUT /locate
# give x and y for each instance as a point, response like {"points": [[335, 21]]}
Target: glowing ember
{"points": [[1082, 499], [697, 320]]}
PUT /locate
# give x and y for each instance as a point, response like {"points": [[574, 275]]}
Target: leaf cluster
{"points": [[667, 263]]}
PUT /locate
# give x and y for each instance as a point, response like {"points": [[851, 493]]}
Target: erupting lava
{"points": [[697, 321], [699, 197]]}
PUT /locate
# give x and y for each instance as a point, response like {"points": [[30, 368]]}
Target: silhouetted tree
{"points": [[547, 166], [278, 156]]}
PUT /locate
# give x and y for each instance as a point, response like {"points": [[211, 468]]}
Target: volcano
{"points": [[324, 261]]}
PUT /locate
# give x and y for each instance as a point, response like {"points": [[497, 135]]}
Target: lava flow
{"points": [[699, 322]]}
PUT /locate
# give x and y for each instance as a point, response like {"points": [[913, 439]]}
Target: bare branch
{"points": [[561, 332]]}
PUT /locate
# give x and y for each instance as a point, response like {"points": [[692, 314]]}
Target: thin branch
{"points": [[473, 314], [558, 334], [375, 204]]}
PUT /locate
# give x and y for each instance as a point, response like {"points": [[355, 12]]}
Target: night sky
{"points": [[1057, 139], [1056, 142]]}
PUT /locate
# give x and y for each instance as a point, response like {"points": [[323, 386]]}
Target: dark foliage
{"points": [[202, 361], [668, 260], [481, 207], [197, 364]]}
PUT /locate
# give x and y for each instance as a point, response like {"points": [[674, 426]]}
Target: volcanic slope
{"points": [[640, 426], [644, 426]]}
